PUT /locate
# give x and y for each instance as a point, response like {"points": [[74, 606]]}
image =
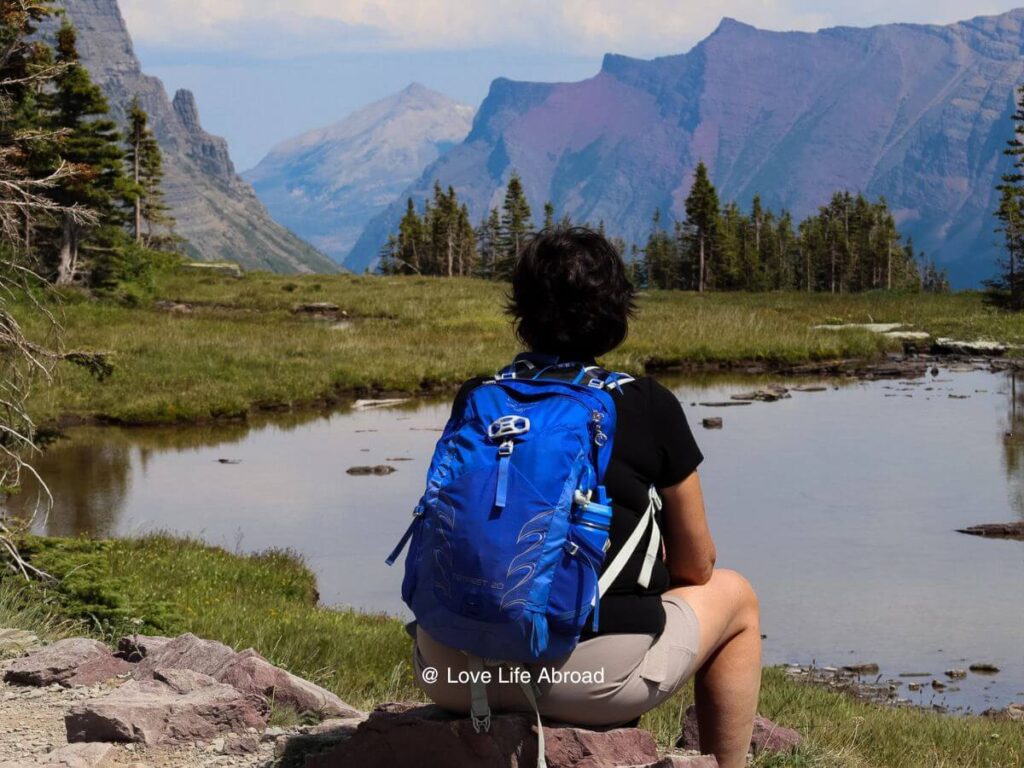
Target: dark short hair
{"points": [[570, 295]]}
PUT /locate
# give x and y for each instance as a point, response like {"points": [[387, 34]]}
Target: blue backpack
{"points": [[508, 542]]}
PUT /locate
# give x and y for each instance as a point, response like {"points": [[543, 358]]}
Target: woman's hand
{"points": [[690, 549]]}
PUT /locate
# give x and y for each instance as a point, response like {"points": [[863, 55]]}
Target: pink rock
{"points": [[685, 761], [70, 662], [153, 712], [771, 737], [135, 648], [76, 756], [398, 735], [185, 652], [251, 673], [247, 671], [767, 736]]}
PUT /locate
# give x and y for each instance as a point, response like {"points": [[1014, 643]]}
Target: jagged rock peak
{"points": [[187, 110]]}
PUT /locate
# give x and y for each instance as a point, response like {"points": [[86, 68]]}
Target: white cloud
{"points": [[639, 27]]}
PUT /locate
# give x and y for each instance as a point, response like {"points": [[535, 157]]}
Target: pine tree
{"points": [[1008, 286], [488, 237], [91, 145], [516, 225], [549, 215], [145, 167], [701, 223], [658, 256]]}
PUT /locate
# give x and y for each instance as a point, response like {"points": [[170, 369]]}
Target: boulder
{"points": [[247, 672], [70, 662], [250, 673], [15, 642], [185, 652], [399, 735], [767, 736], [713, 422], [190, 707]]}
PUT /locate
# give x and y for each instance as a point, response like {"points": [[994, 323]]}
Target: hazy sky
{"points": [[265, 70]]}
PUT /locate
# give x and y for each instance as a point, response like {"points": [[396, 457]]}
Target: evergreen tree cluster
{"points": [[850, 245], [108, 208], [442, 240]]}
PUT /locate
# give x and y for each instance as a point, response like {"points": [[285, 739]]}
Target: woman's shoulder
{"points": [[650, 389]]}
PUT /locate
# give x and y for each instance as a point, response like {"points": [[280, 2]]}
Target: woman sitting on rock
{"points": [[571, 301]]}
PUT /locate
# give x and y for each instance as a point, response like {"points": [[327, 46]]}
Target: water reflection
{"points": [[841, 506], [1013, 443]]}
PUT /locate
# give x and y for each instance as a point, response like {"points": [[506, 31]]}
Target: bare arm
{"points": [[690, 550]]}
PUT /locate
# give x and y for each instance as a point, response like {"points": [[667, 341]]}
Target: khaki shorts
{"points": [[609, 680]]}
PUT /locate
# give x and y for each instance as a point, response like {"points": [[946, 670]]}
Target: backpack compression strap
{"points": [[618, 565]]}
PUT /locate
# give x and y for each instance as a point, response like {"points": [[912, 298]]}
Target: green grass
{"points": [[21, 608], [242, 348], [268, 601]]}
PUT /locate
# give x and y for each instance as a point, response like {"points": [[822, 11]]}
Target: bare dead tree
{"points": [[26, 359]]}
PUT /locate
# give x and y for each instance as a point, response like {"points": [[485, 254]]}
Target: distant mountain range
{"points": [[217, 213], [916, 113], [328, 184]]}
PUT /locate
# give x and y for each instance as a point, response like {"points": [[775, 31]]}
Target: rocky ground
{"points": [[191, 703]]}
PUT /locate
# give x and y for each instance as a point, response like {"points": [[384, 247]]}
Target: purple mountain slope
{"points": [[916, 113]]}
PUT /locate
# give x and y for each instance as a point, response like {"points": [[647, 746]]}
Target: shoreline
{"points": [[891, 366]]}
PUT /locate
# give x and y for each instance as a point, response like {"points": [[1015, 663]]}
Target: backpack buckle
{"points": [[508, 426], [505, 449]]}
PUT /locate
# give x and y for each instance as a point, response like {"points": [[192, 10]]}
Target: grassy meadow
{"points": [[164, 585], [241, 347]]}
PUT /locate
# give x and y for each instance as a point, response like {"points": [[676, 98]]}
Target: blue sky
{"points": [[266, 70]]}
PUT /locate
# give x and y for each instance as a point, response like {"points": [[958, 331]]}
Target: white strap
{"points": [[654, 545], [616, 567], [479, 709], [532, 698]]}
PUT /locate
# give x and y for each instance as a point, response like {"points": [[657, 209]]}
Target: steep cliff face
{"points": [[217, 212], [916, 113], [327, 184]]}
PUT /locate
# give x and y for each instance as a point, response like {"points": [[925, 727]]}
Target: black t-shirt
{"points": [[653, 445]]}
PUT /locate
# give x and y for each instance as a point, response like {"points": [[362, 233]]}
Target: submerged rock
{"points": [[862, 669], [996, 530], [364, 405], [713, 422], [984, 668], [380, 469], [944, 346]]}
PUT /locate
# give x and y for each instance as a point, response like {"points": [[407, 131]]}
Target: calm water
{"points": [[840, 506]]}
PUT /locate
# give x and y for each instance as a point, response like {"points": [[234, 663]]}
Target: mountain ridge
{"points": [[216, 211], [327, 183], [917, 113]]}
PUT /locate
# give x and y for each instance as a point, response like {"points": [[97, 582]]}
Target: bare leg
{"points": [[729, 679]]}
